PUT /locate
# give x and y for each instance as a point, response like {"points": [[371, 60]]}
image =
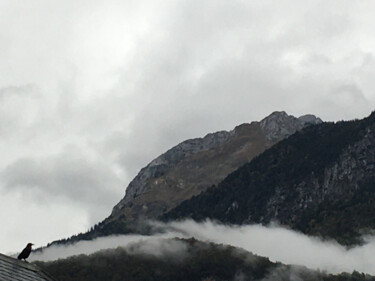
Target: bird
{"points": [[25, 252]]}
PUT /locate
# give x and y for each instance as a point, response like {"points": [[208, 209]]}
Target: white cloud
{"points": [[137, 244], [277, 243]]}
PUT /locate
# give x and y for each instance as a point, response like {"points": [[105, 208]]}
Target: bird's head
{"points": [[29, 244]]}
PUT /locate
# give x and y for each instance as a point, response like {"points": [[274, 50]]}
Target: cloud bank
{"points": [[92, 91], [277, 243]]}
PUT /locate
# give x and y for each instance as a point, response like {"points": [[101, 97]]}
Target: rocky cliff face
{"points": [[194, 165]]}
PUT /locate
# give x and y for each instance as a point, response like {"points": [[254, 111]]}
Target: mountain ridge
{"points": [[319, 181], [196, 164]]}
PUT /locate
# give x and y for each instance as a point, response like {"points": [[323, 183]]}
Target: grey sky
{"points": [[91, 91]]}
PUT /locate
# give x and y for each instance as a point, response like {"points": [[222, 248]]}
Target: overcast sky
{"points": [[92, 91]]}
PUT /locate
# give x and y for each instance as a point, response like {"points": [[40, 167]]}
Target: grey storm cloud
{"points": [[17, 91], [17, 108], [65, 176]]}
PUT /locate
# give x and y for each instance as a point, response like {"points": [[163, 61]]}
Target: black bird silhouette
{"points": [[25, 252]]}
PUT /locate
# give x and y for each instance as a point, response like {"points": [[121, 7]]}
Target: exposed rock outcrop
{"points": [[196, 164]]}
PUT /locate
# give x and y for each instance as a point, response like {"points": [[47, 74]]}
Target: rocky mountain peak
{"points": [[196, 164], [309, 119], [280, 124]]}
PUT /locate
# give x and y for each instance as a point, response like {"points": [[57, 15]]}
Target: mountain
{"points": [[188, 169], [181, 259], [196, 164], [321, 181]]}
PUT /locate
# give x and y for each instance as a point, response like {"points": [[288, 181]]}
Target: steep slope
{"points": [[194, 165], [189, 260], [321, 181]]}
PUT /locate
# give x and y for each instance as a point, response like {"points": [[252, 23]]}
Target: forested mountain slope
{"points": [[321, 181]]}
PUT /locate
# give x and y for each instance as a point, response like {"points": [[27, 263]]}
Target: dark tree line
{"points": [[203, 261]]}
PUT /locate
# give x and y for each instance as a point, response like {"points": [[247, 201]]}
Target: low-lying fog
{"points": [[277, 243]]}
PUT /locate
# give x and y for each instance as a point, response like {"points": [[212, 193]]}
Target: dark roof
{"points": [[12, 269]]}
